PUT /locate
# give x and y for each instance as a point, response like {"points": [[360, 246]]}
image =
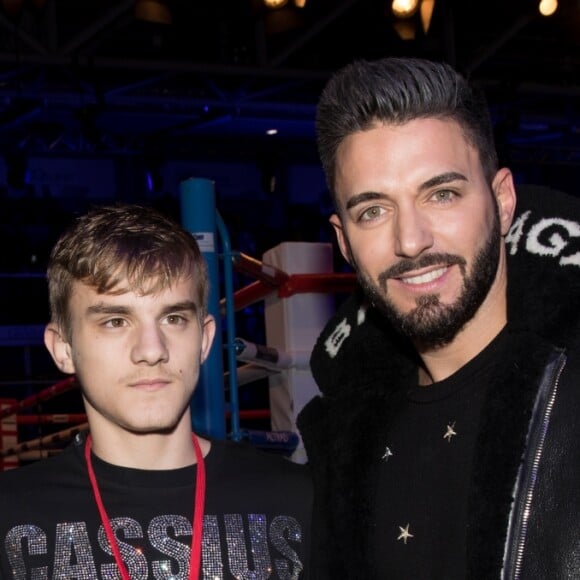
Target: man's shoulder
{"points": [[253, 458], [37, 474]]}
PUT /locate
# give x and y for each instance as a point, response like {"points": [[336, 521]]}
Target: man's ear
{"points": [[340, 237], [505, 194], [207, 335], [59, 348]]}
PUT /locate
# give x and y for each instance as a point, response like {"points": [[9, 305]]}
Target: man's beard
{"points": [[433, 324]]}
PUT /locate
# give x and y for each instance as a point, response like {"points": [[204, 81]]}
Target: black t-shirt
{"points": [[425, 475], [256, 523]]}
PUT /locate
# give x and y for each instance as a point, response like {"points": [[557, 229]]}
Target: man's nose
{"points": [[413, 232], [150, 345]]}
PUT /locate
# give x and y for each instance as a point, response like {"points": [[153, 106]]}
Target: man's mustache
{"points": [[404, 266]]}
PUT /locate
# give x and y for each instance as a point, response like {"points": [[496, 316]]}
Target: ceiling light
{"points": [[426, 14], [275, 3], [404, 8], [548, 7]]}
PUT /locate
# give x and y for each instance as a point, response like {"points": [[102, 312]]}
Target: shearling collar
{"points": [[358, 348], [543, 248]]}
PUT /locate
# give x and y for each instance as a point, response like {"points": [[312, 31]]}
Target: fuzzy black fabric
{"points": [[544, 264], [498, 452], [362, 369]]}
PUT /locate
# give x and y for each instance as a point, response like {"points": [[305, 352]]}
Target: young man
{"points": [[128, 294], [444, 445]]}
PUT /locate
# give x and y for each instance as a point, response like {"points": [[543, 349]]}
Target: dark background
{"points": [[104, 100]]}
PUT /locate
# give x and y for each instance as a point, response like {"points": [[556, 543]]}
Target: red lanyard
{"points": [[195, 553]]}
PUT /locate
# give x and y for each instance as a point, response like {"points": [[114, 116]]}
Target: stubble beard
{"points": [[431, 323]]}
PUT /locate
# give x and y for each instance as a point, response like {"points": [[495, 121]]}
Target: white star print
{"points": [[405, 534], [450, 432], [388, 453]]}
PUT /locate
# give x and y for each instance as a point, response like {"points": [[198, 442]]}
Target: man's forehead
{"points": [[143, 287]]}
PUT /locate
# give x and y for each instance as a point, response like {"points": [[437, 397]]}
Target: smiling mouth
{"points": [[423, 278]]}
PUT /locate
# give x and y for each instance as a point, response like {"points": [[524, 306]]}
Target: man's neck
{"points": [[440, 363], [153, 451]]}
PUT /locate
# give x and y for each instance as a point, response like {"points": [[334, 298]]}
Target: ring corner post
{"points": [[198, 216]]}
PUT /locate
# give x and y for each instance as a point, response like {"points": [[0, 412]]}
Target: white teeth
{"points": [[424, 278]]}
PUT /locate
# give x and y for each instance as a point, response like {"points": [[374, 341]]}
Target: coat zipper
{"points": [[530, 480]]}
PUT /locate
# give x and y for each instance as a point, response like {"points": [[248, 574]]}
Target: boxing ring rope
{"points": [[270, 279], [72, 418], [40, 397], [41, 444], [51, 419]]}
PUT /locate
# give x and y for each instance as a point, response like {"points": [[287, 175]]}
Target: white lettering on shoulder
{"points": [[551, 237]]}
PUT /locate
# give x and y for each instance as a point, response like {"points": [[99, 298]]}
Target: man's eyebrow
{"points": [[364, 196], [442, 179], [185, 305], [102, 308]]}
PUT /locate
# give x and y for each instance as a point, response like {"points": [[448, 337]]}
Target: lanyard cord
{"points": [[198, 513]]}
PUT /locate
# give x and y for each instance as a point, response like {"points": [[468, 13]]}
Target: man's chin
{"points": [[151, 427]]}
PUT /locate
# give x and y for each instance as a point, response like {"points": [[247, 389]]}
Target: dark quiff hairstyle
{"points": [[120, 248], [394, 91]]}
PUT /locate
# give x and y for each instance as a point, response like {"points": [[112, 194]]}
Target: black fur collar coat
{"points": [[360, 365]]}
